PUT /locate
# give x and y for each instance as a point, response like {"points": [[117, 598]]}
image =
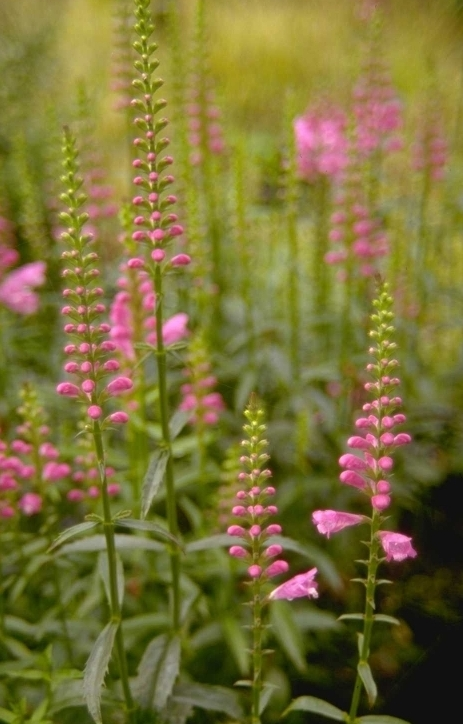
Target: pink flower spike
{"points": [[16, 288], [396, 546], [332, 521], [301, 586]]}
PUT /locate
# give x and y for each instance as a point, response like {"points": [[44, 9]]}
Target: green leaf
{"points": [[95, 543], [8, 716], [149, 527], [177, 422], [316, 706], [288, 634], [153, 479], [221, 540], [209, 697], [380, 719], [266, 695], [352, 617], [96, 668], [365, 674], [236, 641], [103, 570], [157, 672], [386, 619], [72, 532]]}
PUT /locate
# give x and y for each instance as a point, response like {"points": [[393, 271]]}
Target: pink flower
{"points": [[321, 142], [16, 289], [396, 546], [332, 521], [30, 504], [300, 586], [175, 328]]}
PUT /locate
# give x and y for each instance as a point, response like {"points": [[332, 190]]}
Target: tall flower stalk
{"points": [[369, 473], [156, 228], [252, 530], [90, 363]]}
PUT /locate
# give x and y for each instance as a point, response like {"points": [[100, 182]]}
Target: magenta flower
{"points": [[300, 586], [321, 142], [30, 504], [397, 547], [16, 289], [332, 521]]}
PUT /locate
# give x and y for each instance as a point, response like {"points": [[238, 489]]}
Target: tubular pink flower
{"points": [[352, 462], [16, 288], [349, 477], [119, 386], [276, 569], [396, 546], [55, 471], [238, 552], [175, 328], [254, 571], [332, 521], [301, 586], [68, 389]]}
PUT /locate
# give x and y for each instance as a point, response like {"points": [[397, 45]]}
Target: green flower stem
{"points": [[256, 653], [115, 607], [373, 563], [161, 358]]}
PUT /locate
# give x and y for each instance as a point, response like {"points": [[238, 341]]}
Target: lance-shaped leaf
{"points": [[178, 421], [209, 697], [149, 527], [157, 672], [316, 706], [96, 668], [221, 540], [288, 634], [380, 719], [8, 716], [365, 674], [72, 532], [384, 618], [153, 479], [94, 543], [103, 570]]}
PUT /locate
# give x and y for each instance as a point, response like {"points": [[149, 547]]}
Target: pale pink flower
{"points": [[300, 586], [396, 546], [332, 521], [16, 290]]}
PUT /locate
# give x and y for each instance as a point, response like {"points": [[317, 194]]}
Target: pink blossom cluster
{"points": [[369, 469], [132, 314], [321, 142], [198, 395], [430, 151], [28, 464], [254, 507], [358, 237], [205, 130], [90, 350], [17, 287]]}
